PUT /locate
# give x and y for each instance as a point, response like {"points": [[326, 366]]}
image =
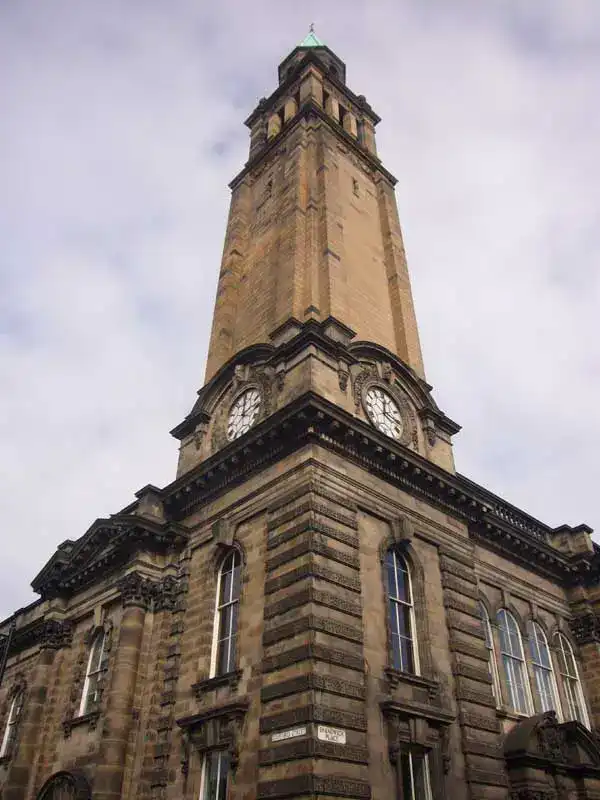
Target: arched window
{"points": [[10, 729], [90, 696], [403, 651], [571, 684], [542, 668], [226, 617], [489, 643], [513, 661], [215, 775]]}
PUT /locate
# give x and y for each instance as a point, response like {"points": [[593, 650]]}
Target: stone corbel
{"points": [[343, 375], [222, 531]]}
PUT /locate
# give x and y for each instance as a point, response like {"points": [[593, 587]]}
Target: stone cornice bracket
{"points": [[222, 532], [56, 634], [136, 590]]}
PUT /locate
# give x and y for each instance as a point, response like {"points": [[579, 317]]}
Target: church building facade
{"points": [[318, 605]]}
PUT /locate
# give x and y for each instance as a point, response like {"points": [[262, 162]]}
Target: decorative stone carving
{"points": [[586, 628], [56, 634], [136, 590], [166, 594], [552, 738]]}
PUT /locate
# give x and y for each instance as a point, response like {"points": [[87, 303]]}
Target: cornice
{"points": [[312, 419]]}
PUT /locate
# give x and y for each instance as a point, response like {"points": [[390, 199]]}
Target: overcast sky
{"points": [[120, 127]]}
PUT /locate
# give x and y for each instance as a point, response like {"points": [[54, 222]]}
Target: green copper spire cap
{"points": [[311, 39]]}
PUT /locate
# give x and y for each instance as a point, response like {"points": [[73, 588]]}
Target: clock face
{"points": [[384, 412], [243, 414]]}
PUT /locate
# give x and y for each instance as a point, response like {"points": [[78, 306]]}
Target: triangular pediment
{"points": [[107, 544]]}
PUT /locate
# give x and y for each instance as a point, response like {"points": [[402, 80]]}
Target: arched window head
{"points": [[225, 635], [569, 678], [489, 643], [403, 650], [10, 728], [90, 696], [518, 692], [541, 663]]}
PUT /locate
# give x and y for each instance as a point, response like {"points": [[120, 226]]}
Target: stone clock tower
{"points": [[318, 605]]}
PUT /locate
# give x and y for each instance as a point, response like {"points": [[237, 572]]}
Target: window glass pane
{"points": [[215, 776], [569, 659], [406, 777], [391, 576], [420, 777], [226, 582], [407, 655], [403, 620], [237, 580], [396, 656], [394, 618], [96, 656], [223, 657], [504, 640], [223, 776], [225, 622]]}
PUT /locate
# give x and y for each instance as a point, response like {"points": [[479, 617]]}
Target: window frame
{"points": [[398, 555], [204, 778], [566, 681], [536, 633], [12, 720], [409, 755], [85, 704], [510, 676], [234, 554], [491, 648]]}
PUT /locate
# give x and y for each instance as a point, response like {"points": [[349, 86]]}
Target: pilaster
{"points": [[313, 689], [56, 634], [137, 592]]}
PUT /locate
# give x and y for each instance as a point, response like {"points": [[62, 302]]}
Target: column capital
{"points": [[136, 590]]}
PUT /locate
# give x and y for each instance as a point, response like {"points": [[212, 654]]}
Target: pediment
{"points": [[105, 545], [543, 739]]}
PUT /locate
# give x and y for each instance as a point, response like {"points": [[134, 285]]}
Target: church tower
{"points": [[318, 605]]}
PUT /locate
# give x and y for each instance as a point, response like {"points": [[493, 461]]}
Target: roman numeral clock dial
{"points": [[244, 413], [384, 413]]}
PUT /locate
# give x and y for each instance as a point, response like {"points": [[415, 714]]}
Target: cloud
{"points": [[122, 125]]}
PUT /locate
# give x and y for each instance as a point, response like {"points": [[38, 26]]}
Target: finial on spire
{"points": [[311, 39]]}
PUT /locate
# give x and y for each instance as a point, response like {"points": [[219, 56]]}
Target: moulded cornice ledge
{"points": [[395, 708]]}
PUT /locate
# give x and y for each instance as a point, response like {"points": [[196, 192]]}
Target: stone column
{"points": [[55, 634], [137, 592]]}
